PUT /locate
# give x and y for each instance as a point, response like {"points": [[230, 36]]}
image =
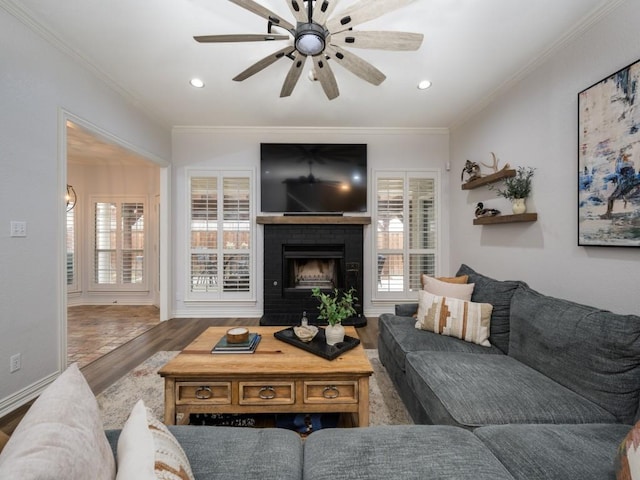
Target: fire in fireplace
{"points": [[306, 267]]}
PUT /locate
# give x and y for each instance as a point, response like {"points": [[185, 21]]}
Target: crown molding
{"points": [[217, 130]]}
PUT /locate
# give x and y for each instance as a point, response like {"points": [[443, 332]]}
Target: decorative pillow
{"points": [[459, 280], [446, 289], [61, 436], [628, 458], [148, 450], [455, 318], [4, 438]]}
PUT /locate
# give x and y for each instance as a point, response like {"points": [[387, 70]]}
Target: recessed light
{"points": [[196, 82], [424, 84]]}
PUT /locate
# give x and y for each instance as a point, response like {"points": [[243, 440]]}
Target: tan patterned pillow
{"points": [[459, 280], [628, 458], [148, 450], [453, 317]]}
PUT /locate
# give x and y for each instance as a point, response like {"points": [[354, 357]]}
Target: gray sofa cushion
{"points": [[498, 293], [562, 452], [399, 452], [402, 337], [592, 352], [235, 453], [471, 390]]}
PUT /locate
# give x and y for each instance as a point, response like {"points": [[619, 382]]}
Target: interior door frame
{"points": [[164, 237]]}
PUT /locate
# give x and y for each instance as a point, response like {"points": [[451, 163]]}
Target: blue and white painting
{"points": [[609, 161]]}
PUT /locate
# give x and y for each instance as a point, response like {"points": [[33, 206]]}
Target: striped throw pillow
{"points": [[453, 317], [148, 451]]}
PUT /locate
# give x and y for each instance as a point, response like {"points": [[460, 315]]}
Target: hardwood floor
{"points": [[174, 334]]}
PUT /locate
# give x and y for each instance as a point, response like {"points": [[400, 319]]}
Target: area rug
{"points": [[143, 382]]}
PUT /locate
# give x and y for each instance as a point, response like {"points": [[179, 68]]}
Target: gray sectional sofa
{"points": [[552, 397]]}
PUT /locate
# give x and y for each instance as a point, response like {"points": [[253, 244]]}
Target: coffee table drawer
{"points": [[331, 392], [260, 393], [204, 393]]}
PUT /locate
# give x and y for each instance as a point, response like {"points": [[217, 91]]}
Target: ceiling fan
{"points": [[322, 37]]}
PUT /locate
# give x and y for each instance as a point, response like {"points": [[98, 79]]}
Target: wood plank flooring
{"points": [[174, 334]]}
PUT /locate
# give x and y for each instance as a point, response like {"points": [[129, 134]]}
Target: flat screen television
{"points": [[313, 177]]}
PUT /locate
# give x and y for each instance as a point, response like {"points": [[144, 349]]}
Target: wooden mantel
{"points": [[311, 220]]}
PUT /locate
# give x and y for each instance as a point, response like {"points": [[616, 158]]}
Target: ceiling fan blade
{"points": [[326, 76], [397, 41], [264, 13], [322, 10], [294, 74], [264, 63], [363, 11], [249, 37], [356, 65], [299, 10]]}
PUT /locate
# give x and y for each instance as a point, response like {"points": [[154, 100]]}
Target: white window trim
{"points": [[220, 296], [119, 287], [435, 175]]}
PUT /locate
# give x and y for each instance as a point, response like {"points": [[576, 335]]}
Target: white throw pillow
{"points": [[463, 291], [148, 451], [453, 317], [61, 436]]}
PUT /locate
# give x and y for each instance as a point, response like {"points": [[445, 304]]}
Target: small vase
{"points": [[518, 206], [334, 334]]}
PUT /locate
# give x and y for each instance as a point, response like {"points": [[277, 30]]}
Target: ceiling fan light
{"points": [[310, 39], [310, 44]]}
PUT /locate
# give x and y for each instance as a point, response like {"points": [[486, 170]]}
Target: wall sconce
{"points": [[71, 198]]}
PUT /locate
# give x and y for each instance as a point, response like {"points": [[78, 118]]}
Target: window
{"points": [[406, 231], [119, 244], [72, 256], [221, 236]]}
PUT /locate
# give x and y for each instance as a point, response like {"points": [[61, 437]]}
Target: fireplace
{"points": [[299, 257], [308, 266]]}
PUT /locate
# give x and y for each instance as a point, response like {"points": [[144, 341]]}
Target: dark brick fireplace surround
{"points": [[335, 242]]}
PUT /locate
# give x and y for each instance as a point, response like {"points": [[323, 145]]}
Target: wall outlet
{"points": [[15, 362]]}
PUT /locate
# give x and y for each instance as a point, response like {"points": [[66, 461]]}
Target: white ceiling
{"points": [[472, 50]]}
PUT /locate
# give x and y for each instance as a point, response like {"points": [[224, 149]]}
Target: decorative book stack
{"points": [[248, 346]]}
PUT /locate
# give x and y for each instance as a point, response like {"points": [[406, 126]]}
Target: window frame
{"points": [[405, 175], [221, 251], [119, 286]]}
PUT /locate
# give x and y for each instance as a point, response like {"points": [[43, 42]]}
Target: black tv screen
{"points": [[313, 177]]}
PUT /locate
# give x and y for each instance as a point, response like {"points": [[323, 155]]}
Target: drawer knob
{"points": [[204, 393], [330, 392], [267, 393]]}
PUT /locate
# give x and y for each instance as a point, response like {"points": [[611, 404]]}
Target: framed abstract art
{"points": [[609, 161]]}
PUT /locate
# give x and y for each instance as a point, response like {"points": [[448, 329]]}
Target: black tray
{"points": [[318, 346]]}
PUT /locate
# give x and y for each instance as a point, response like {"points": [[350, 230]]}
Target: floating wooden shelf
{"points": [[494, 177], [523, 217], [312, 220]]}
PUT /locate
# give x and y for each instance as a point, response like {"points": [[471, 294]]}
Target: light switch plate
{"points": [[18, 229]]}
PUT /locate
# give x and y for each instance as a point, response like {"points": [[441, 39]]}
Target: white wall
{"points": [[387, 149], [535, 124], [38, 81]]}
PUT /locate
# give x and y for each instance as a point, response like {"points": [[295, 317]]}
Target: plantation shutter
{"points": [[119, 244], [204, 234], [236, 234], [221, 236], [406, 232]]}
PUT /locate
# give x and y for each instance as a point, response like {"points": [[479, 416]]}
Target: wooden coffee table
{"points": [[277, 378]]}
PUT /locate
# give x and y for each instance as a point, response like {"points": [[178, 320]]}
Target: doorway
{"points": [[112, 243]]}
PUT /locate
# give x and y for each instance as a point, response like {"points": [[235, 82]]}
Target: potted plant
{"points": [[334, 308], [517, 189]]}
